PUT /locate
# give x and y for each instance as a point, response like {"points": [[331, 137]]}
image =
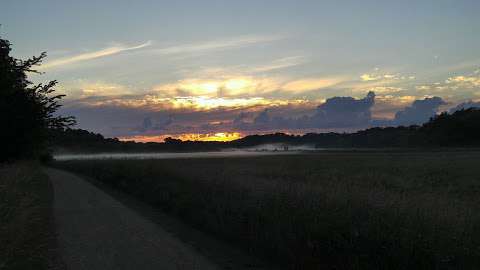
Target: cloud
{"points": [[386, 89], [220, 86], [304, 85], [381, 83], [92, 55], [218, 136], [147, 123], [465, 105], [206, 103], [154, 125], [153, 102], [336, 112], [217, 45], [464, 81], [79, 89], [423, 87], [152, 115], [282, 63], [243, 70], [376, 76], [344, 112], [242, 85], [369, 77], [387, 105], [419, 112], [465, 86], [263, 119]]}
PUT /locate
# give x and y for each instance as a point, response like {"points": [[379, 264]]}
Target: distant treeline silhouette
{"points": [[83, 141], [458, 129]]}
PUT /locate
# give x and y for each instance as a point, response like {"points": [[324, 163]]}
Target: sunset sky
{"points": [[222, 69]]}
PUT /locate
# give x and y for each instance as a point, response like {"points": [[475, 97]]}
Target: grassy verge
{"points": [[316, 211], [26, 221]]}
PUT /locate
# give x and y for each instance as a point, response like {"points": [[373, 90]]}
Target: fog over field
{"points": [[261, 150]]}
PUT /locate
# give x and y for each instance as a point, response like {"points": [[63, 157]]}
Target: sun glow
{"points": [[238, 86], [205, 137], [227, 86], [195, 103], [206, 103]]}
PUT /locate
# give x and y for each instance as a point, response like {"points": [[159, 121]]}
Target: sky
{"points": [[219, 70]]}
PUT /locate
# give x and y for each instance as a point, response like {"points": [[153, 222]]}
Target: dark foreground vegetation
{"points": [[28, 111], [27, 237], [343, 210], [459, 129], [28, 116]]}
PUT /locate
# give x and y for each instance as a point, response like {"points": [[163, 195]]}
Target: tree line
{"points": [[458, 129]]}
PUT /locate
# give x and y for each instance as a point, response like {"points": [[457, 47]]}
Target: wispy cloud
{"points": [[92, 55], [460, 86], [217, 44], [465, 81], [376, 77], [305, 85], [285, 62], [100, 88]]}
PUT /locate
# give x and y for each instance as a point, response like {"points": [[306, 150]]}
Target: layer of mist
{"points": [[280, 147], [259, 151]]}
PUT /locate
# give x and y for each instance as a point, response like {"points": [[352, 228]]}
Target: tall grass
{"points": [[321, 211], [27, 238]]}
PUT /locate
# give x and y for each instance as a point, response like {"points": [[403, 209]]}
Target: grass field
{"points": [[27, 239], [344, 210]]}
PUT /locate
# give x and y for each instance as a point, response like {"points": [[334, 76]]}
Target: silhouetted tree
{"points": [[27, 111], [457, 129]]}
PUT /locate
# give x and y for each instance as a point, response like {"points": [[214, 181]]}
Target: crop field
{"points": [[332, 210]]}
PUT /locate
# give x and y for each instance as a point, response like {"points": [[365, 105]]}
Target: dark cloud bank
{"points": [[337, 113], [348, 113]]}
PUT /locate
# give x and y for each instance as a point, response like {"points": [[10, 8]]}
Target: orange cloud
{"points": [[369, 77], [238, 85], [205, 137], [465, 81], [223, 86], [194, 103]]}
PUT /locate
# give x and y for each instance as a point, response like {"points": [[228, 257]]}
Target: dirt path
{"points": [[96, 231]]}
